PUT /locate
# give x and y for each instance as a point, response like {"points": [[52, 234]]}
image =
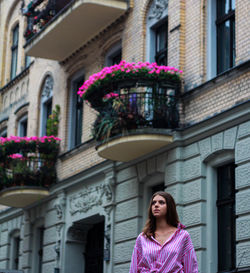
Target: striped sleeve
{"points": [[190, 262], [136, 256]]}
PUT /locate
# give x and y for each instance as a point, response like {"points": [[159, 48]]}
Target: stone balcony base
{"points": [[20, 197], [130, 147]]}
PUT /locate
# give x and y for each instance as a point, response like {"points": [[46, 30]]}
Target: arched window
{"points": [[46, 104], [221, 215], [157, 32], [114, 55]]}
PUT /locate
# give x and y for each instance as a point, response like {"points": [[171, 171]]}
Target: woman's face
{"points": [[159, 206]]}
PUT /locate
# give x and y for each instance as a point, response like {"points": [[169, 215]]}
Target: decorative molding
{"points": [[60, 207], [48, 87], [89, 198], [157, 9]]}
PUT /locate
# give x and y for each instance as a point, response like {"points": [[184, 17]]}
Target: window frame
{"points": [[220, 20], [15, 241], [112, 53], [152, 23], [20, 128], [76, 103], [14, 51], [45, 100], [220, 203]]}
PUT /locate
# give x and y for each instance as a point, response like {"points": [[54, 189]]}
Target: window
{"points": [[226, 217], [159, 187], [38, 249], [14, 52], [46, 104], [157, 33], [23, 126], [76, 113], [225, 25], [3, 132], [14, 250], [114, 55], [161, 44]]}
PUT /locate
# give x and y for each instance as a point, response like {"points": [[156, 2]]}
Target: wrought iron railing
{"points": [[28, 163], [40, 12], [138, 107]]}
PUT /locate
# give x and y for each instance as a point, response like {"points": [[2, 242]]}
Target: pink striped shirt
{"points": [[176, 255]]}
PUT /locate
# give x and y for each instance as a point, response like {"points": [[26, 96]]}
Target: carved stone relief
{"points": [[158, 8], [60, 207], [48, 87], [89, 198]]}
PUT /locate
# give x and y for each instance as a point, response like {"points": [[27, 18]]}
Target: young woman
{"points": [[163, 246]]}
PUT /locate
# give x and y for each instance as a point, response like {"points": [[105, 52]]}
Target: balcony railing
{"points": [[145, 105], [137, 105], [26, 164], [40, 12], [57, 28]]}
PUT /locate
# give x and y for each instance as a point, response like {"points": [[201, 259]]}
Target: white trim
{"points": [[45, 99], [72, 97], [211, 210], [211, 40]]}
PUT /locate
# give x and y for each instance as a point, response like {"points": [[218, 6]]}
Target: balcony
{"points": [[60, 27], [137, 109], [27, 169]]}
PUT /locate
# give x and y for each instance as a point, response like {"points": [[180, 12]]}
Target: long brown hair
{"points": [[172, 217]]}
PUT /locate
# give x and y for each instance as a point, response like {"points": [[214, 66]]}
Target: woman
{"points": [[163, 246]]}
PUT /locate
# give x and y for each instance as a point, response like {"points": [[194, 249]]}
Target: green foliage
{"points": [[53, 122]]}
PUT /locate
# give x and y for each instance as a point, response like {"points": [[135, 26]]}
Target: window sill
{"points": [[223, 77], [16, 79], [77, 149]]}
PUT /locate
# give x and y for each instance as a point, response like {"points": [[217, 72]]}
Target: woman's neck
{"points": [[162, 225]]}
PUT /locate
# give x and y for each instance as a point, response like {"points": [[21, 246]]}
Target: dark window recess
{"points": [[14, 52], [78, 106], [23, 127], [159, 187], [161, 44], [48, 112], [94, 249], [116, 58], [225, 25], [40, 249], [16, 252], [226, 218]]}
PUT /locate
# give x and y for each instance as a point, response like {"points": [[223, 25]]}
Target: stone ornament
{"points": [[89, 198], [158, 8], [48, 87]]}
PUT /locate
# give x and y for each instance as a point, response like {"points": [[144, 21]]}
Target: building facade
{"points": [[91, 217]]}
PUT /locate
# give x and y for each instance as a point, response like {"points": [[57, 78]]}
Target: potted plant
{"points": [[124, 75]]}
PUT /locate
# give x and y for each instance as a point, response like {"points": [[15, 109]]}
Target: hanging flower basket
{"points": [[28, 161], [125, 74]]}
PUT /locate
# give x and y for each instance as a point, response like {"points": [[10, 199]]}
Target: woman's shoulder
{"points": [[183, 232]]}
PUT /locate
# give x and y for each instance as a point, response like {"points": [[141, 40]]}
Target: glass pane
{"points": [[225, 182], [223, 46], [13, 64], [15, 35], [226, 238], [233, 4], [161, 36], [223, 7]]}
